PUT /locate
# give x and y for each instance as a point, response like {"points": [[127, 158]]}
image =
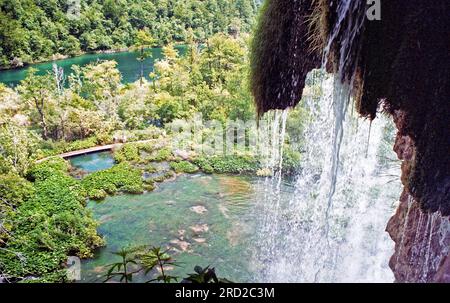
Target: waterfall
{"points": [[329, 226], [275, 126]]}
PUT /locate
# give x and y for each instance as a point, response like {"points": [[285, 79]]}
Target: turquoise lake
{"points": [[127, 64], [93, 162]]}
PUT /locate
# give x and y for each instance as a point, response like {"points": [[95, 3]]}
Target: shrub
{"points": [[228, 164], [121, 177], [104, 138], [81, 144], [14, 189], [164, 154], [128, 152], [184, 167], [50, 225], [291, 160], [43, 170]]}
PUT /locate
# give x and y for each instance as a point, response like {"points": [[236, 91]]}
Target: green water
{"points": [[93, 162], [166, 218], [127, 64]]}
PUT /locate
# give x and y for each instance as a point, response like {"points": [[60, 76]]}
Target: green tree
{"points": [[143, 41], [17, 147], [38, 92]]}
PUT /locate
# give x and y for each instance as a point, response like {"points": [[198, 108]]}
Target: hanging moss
{"points": [[282, 54], [400, 63]]}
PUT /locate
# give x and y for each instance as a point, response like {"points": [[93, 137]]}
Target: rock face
{"points": [[422, 243], [399, 64], [422, 238]]}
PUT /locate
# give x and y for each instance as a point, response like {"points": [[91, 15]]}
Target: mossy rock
{"points": [[134, 189], [184, 167], [150, 168], [97, 194], [149, 186]]}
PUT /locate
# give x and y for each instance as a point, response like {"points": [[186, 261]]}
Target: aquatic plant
{"points": [[120, 178], [49, 225], [150, 168], [163, 154], [45, 169], [128, 152], [235, 164], [184, 167]]}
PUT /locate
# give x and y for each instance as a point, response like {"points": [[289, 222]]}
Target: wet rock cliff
{"points": [[398, 66]]}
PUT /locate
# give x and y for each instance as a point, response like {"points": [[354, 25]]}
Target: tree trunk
{"points": [[44, 126], [40, 109], [142, 66]]}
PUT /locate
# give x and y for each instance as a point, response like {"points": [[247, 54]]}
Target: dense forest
{"points": [[36, 30]]}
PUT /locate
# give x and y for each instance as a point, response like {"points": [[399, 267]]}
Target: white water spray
{"points": [[330, 228]]}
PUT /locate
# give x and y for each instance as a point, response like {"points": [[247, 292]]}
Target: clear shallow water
{"points": [[222, 236], [93, 162], [127, 64], [203, 220]]}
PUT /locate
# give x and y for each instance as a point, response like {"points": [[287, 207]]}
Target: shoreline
{"points": [[59, 57]]}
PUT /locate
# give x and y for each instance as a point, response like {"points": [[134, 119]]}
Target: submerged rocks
{"points": [[200, 228], [199, 209], [183, 245], [200, 240]]}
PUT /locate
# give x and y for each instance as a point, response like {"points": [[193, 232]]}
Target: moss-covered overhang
{"points": [[401, 62], [282, 54]]}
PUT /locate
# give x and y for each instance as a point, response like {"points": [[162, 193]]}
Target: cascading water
{"points": [[330, 228], [272, 136]]}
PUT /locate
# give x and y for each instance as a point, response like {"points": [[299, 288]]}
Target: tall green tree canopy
{"points": [[34, 30]]}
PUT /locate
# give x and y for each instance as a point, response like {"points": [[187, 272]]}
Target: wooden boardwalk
{"points": [[90, 150]]}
